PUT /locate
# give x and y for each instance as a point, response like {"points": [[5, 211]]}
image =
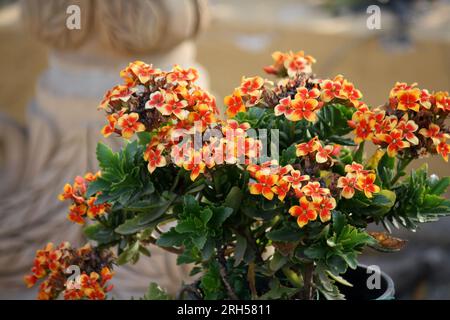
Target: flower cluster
{"points": [[271, 179], [315, 196], [412, 123], [81, 205], [56, 263], [249, 94], [357, 179], [297, 98], [290, 64]]}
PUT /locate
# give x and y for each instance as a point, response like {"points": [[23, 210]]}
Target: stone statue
{"points": [[63, 125]]}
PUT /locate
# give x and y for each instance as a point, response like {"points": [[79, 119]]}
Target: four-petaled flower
{"points": [[304, 212], [234, 104], [130, 124], [366, 184], [155, 158], [264, 184], [409, 100], [395, 142]]}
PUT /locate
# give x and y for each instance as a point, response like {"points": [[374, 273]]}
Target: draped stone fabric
{"points": [[63, 124]]}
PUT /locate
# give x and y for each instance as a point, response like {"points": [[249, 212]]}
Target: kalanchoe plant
{"points": [[285, 228]]}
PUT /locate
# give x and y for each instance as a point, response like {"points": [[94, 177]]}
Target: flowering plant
{"points": [[254, 224]]}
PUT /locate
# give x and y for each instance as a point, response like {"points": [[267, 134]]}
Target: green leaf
{"points": [[107, 159], [278, 291], [186, 226], [129, 254], [277, 262], [234, 199], [155, 292], [100, 184], [171, 238], [239, 250], [283, 234], [219, 216], [440, 186], [100, 234], [144, 219], [199, 241], [206, 215]]}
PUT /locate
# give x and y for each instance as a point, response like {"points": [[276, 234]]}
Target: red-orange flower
{"points": [[408, 127], [315, 190], [304, 212], [155, 158], [366, 184], [130, 124], [330, 90], [264, 184], [295, 178], [234, 104], [281, 189], [395, 142], [434, 133], [195, 165], [156, 100], [251, 86], [443, 149], [323, 207], [408, 100], [304, 149], [303, 109], [347, 184]]}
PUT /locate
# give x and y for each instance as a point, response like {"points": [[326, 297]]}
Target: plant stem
{"points": [[307, 278], [223, 274]]}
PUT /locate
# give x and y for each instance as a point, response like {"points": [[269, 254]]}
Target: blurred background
{"points": [[53, 79]]}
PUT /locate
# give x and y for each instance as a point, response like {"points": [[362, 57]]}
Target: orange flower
{"points": [[366, 184], [442, 101], [330, 90], [295, 179], [122, 93], [173, 106], [111, 126], [281, 189], [303, 110], [304, 149], [195, 165], [408, 100], [130, 124], [77, 213], [182, 76], [234, 104], [304, 212], [349, 92], [155, 158], [95, 210], [354, 167], [264, 184], [347, 184], [156, 100], [408, 128], [283, 107], [434, 133], [303, 93], [395, 142], [143, 71], [324, 207], [443, 149], [315, 191], [324, 153], [251, 86]]}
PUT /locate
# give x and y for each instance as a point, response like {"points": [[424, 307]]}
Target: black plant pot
{"points": [[361, 291]]}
